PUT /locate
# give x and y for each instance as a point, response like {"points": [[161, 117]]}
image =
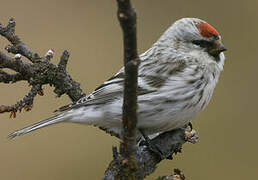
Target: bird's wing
{"points": [[148, 82], [109, 91]]}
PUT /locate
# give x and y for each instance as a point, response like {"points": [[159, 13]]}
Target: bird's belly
{"points": [[165, 120], [171, 115]]}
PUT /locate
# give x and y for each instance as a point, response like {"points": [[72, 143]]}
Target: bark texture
{"points": [[127, 18]]}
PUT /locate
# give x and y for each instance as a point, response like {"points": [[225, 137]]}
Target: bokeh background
{"points": [[89, 30]]}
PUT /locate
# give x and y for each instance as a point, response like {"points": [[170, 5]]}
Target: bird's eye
{"points": [[216, 37], [202, 43]]}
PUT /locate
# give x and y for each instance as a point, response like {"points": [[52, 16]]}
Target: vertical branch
{"points": [[127, 18]]}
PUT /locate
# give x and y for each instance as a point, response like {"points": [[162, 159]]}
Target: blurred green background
{"points": [[89, 30]]}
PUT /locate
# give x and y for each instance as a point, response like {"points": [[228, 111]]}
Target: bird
{"points": [[176, 80]]}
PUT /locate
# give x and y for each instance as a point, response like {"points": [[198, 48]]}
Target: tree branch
{"points": [[127, 18], [38, 73], [168, 142], [16, 64], [7, 78], [17, 45], [25, 103]]}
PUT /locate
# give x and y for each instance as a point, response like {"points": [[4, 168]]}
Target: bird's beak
{"points": [[217, 48]]}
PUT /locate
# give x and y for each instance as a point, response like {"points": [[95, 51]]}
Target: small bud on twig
{"points": [[17, 56], [41, 92], [49, 54]]}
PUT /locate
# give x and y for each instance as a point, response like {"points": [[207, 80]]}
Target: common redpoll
{"points": [[177, 76]]}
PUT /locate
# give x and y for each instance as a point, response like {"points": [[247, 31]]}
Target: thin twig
{"points": [[25, 103], [17, 45], [38, 73], [15, 64], [63, 60], [7, 78]]}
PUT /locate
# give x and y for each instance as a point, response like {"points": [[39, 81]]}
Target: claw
{"points": [[191, 135]]}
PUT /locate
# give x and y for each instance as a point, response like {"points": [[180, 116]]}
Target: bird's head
{"points": [[192, 34]]}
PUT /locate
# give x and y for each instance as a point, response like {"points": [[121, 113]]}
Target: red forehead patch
{"points": [[207, 30]]}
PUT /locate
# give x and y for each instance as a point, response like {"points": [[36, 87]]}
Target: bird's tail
{"points": [[52, 120]]}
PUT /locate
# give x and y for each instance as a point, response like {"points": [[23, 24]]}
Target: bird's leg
{"points": [[155, 149]]}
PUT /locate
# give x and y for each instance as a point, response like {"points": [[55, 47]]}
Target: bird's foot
{"points": [[190, 134]]}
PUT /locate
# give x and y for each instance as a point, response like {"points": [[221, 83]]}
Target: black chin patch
{"points": [[216, 57]]}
